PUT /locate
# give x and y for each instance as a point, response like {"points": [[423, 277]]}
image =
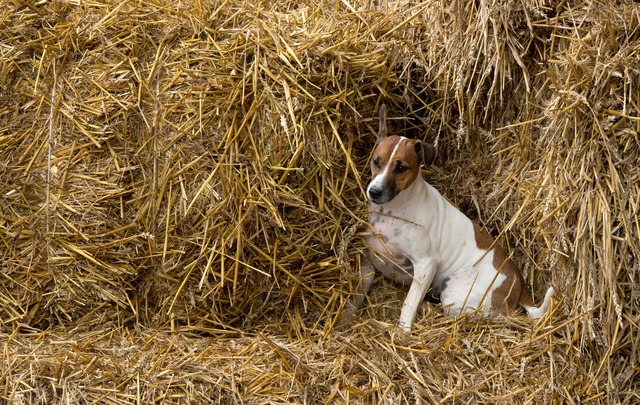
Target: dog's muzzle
{"points": [[380, 194]]}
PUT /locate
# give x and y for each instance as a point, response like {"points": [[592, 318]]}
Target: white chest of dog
{"points": [[422, 241]]}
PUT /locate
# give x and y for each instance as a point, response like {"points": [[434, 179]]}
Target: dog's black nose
{"points": [[375, 194]]}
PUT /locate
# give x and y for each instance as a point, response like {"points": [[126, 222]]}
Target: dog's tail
{"points": [[527, 303]]}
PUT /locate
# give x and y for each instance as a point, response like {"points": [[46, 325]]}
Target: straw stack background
{"points": [[181, 198]]}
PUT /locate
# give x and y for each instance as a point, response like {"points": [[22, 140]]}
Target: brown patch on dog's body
{"points": [[511, 291], [484, 241]]}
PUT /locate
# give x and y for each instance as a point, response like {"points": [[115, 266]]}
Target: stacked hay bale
{"points": [[544, 96], [185, 165], [198, 168]]}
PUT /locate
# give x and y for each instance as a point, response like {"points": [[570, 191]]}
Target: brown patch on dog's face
{"points": [[395, 165]]}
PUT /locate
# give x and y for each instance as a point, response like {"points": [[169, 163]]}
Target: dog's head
{"points": [[395, 163]]}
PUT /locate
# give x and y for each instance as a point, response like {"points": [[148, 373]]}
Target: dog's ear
{"points": [[382, 129], [426, 152]]}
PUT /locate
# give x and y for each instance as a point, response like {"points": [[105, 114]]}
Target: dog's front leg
{"points": [[424, 272]]}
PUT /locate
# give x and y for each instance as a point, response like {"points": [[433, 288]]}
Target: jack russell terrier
{"points": [[423, 241]]}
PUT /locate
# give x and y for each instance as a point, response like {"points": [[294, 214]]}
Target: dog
{"points": [[421, 240]]}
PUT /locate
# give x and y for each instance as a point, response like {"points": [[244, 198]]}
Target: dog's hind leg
{"points": [[367, 274]]}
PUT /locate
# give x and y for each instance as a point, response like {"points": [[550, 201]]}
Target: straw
{"points": [[182, 204]]}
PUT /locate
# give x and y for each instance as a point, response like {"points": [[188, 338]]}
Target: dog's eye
{"points": [[376, 162], [401, 168]]}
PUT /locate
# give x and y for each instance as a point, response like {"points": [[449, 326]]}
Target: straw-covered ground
{"points": [[181, 198]]}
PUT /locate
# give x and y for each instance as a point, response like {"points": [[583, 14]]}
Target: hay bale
{"points": [[367, 363], [551, 108], [176, 157], [182, 188]]}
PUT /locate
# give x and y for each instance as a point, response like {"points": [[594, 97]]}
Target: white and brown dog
{"points": [[423, 241]]}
